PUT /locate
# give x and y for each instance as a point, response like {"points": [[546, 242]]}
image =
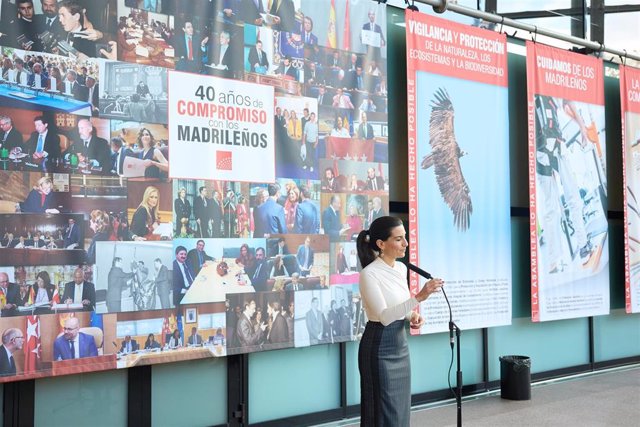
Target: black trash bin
{"points": [[515, 377]]}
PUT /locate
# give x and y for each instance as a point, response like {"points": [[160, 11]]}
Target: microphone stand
{"points": [[452, 328]]}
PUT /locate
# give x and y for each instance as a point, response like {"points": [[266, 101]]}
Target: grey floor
{"points": [[609, 398]]}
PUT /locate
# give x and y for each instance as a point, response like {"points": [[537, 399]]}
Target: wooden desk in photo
{"points": [[142, 358]]}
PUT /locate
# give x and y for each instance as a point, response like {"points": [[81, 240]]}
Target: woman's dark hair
{"points": [[176, 331], [45, 278], [380, 229], [149, 339]]}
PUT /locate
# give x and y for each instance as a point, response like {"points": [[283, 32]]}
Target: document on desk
{"points": [[133, 167]]}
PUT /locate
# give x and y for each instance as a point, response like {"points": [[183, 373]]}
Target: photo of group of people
{"points": [[119, 264]]}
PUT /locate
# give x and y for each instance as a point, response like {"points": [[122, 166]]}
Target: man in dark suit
{"points": [[258, 59], [48, 19], [163, 283], [116, 282], [294, 284], [285, 15], [323, 98], [72, 87], [313, 75], [250, 12], [11, 293], [331, 221], [188, 48], [374, 51], [129, 345], [329, 182], [197, 257], [307, 216], [269, 216], [118, 154], [305, 257], [73, 344], [374, 183], [194, 338], [202, 212], [71, 235], [376, 210], [365, 130], [248, 335], [182, 275], [279, 331], [90, 146], [10, 138], [287, 69], [93, 92], [216, 215], [80, 291], [12, 341], [355, 79], [307, 36], [260, 273], [222, 56], [43, 143]]}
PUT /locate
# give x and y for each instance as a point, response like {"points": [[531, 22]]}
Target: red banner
{"points": [[350, 149], [567, 75], [567, 177], [444, 47]]}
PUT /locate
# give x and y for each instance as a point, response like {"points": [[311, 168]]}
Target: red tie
{"points": [[190, 50], [42, 197]]}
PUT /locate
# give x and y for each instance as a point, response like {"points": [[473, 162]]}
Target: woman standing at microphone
{"points": [[383, 357]]}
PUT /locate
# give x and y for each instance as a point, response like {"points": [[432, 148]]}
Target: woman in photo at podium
{"points": [[145, 219], [383, 357]]}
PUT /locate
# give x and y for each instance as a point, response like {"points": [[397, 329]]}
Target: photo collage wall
{"points": [[110, 255]]}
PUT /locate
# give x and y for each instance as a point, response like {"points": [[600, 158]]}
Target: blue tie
{"points": [[73, 349], [40, 145]]}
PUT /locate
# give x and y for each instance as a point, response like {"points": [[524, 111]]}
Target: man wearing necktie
{"points": [[12, 341], [197, 257], [182, 275], [305, 256], [309, 38], [48, 20], [202, 212], [43, 143], [73, 344], [189, 49], [10, 138]]}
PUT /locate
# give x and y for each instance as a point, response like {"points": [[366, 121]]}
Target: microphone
{"points": [[420, 271], [428, 276]]}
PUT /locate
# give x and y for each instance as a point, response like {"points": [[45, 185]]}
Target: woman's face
{"points": [[293, 196], [182, 194], [69, 22], [153, 199], [40, 282], [243, 251], [93, 225], [145, 137], [396, 245], [339, 123], [353, 210]]}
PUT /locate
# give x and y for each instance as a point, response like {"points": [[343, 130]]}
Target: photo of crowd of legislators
{"points": [[108, 262]]}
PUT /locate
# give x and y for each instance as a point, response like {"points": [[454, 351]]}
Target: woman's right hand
{"points": [[430, 287]]}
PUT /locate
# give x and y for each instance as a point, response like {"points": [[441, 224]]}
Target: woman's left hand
{"points": [[416, 320]]}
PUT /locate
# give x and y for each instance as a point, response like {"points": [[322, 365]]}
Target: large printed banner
{"points": [[227, 125], [567, 185], [459, 204], [630, 99], [185, 179]]}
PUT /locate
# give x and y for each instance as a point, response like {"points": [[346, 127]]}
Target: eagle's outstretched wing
{"points": [[445, 157]]}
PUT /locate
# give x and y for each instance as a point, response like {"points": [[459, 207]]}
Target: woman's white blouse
{"points": [[385, 293]]}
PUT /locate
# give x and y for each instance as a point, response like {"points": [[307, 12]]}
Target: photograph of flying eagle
{"points": [[445, 158]]}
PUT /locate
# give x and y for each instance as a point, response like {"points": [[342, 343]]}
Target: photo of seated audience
{"points": [[39, 239], [133, 92], [144, 151], [144, 37], [145, 338], [263, 321], [355, 177], [133, 277]]}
